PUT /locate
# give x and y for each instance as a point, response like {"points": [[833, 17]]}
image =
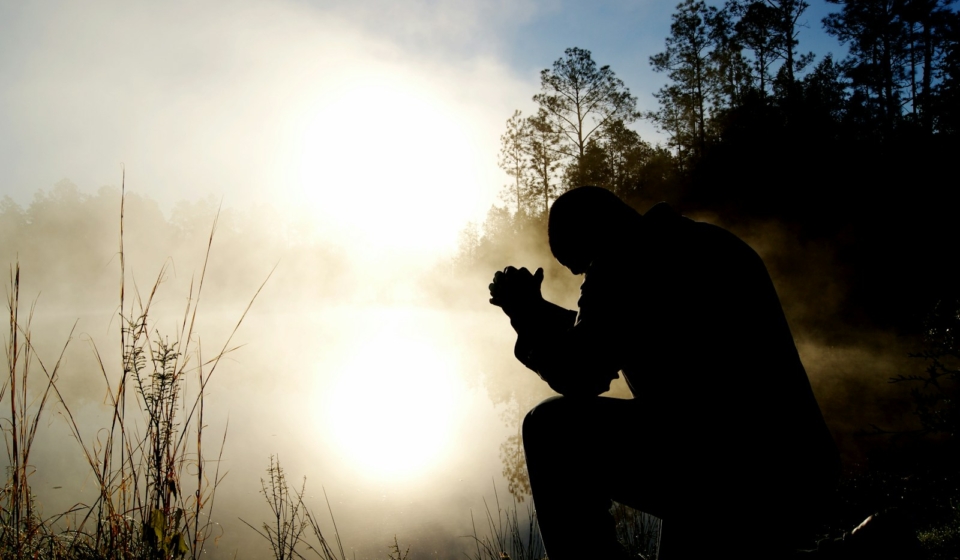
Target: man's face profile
{"points": [[574, 255]]}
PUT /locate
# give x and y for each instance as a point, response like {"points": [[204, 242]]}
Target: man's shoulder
{"points": [[669, 230], [660, 211], [662, 216], [662, 226]]}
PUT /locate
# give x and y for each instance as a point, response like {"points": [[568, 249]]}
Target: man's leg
{"points": [[581, 453], [584, 452]]}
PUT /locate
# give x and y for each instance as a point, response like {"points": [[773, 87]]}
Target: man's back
{"points": [[707, 328], [710, 359]]}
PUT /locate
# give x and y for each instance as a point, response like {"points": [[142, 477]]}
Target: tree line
{"points": [[900, 75], [899, 79], [854, 150]]}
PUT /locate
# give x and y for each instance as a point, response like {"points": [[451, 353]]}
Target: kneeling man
{"points": [[723, 438]]}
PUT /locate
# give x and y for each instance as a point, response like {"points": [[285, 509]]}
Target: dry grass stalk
{"points": [[22, 532], [290, 518], [146, 507]]}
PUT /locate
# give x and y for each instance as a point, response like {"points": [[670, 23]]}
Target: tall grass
{"points": [[156, 488], [23, 533], [508, 537], [638, 532], [288, 514], [290, 519], [512, 535]]}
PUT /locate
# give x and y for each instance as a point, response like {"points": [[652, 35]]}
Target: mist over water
{"points": [[849, 364], [364, 383], [336, 147], [390, 386]]}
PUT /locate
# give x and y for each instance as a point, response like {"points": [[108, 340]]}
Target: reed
{"points": [[290, 519], [511, 535], [23, 533], [508, 537], [156, 485]]}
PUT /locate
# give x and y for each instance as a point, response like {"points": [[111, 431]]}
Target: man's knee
{"points": [[554, 417], [549, 433], [576, 421]]}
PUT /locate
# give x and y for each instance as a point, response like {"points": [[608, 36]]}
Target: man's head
{"points": [[585, 222]]}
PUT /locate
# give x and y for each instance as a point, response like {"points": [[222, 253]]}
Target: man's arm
{"points": [[572, 352], [535, 326]]}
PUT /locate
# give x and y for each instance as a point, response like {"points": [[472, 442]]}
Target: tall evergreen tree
{"points": [[578, 136], [685, 103], [676, 117], [577, 99], [627, 158], [756, 30], [545, 152], [927, 25], [732, 70], [877, 37], [513, 157], [787, 20], [942, 106]]}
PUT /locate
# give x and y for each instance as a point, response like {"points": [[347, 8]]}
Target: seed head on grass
{"points": [[289, 517], [395, 553]]}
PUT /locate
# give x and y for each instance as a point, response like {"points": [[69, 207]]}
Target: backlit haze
{"points": [[369, 132], [280, 104], [349, 144]]}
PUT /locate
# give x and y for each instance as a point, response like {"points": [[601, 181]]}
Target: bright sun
{"points": [[392, 405], [386, 163]]}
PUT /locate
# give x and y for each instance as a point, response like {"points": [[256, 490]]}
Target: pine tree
{"points": [[577, 99], [685, 104]]}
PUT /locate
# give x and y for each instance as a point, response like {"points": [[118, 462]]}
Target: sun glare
{"points": [[389, 165], [392, 405]]}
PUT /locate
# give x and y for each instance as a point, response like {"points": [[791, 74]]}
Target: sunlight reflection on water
{"points": [[392, 397]]}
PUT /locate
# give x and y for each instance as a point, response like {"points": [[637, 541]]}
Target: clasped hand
{"points": [[514, 288]]}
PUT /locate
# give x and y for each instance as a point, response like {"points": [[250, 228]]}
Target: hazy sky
{"points": [[355, 113]]}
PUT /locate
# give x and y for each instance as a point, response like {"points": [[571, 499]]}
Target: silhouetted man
{"points": [[723, 439]]}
